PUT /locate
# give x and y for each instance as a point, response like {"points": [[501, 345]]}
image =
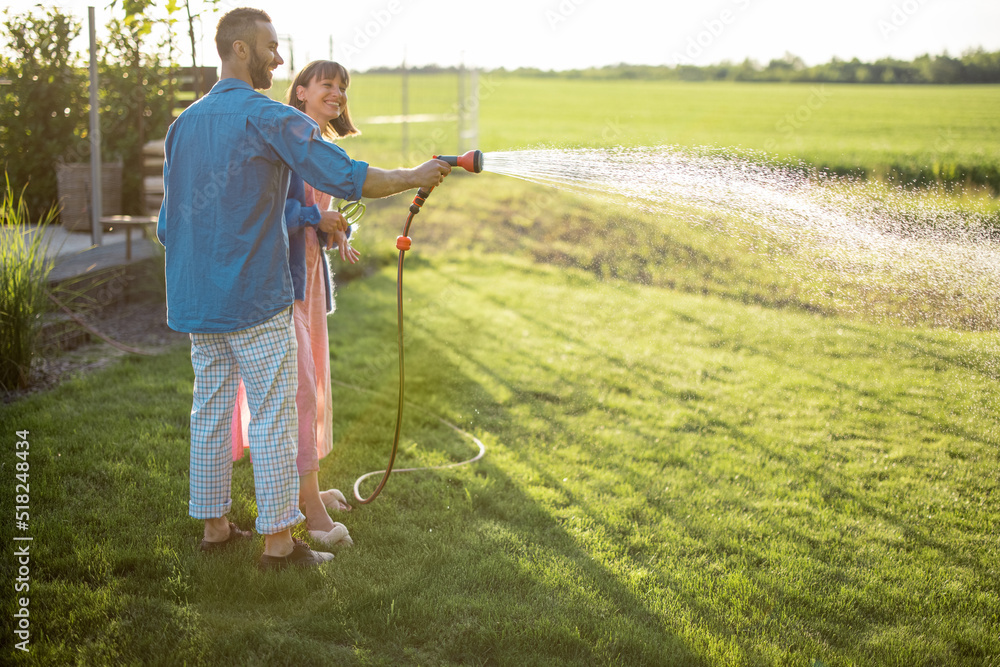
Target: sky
{"points": [[567, 34]]}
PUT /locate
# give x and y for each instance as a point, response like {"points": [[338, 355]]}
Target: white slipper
{"points": [[335, 500], [338, 535]]}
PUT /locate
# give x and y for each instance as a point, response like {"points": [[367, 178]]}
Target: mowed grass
{"points": [[670, 479]]}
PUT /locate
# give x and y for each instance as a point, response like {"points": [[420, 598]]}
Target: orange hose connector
{"points": [[403, 242]]}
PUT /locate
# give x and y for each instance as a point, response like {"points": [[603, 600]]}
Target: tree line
{"points": [[974, 66]]}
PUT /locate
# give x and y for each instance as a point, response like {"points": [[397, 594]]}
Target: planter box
{"points": [[74, 193]]}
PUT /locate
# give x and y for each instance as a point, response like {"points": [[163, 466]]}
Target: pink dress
{"points": [[313, 400]]}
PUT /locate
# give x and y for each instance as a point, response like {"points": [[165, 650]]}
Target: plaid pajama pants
{"points": [[265, 356]]}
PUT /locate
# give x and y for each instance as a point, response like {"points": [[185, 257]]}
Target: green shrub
{"points": [[24, 270], [135, 104], [44, 109]]}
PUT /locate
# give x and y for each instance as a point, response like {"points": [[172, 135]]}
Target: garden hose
{"points": [[473, 162]]}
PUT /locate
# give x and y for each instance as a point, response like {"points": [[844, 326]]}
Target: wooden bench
{"points": [[128, 222]]}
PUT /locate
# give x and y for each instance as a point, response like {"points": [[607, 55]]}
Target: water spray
{"points": [[829, 230], [473, 163]]}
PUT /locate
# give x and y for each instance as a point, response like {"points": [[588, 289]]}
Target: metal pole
{"points": [[461, 106], [473, 132], [96, 208], [291, 54], [406, 111]]}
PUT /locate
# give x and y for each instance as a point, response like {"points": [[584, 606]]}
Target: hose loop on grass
{"points": [[460, 431]]}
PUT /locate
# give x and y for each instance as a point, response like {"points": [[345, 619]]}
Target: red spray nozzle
{"points": [[471, 161]]}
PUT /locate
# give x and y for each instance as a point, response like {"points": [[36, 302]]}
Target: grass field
{"points": [[670, 479], [692, 458], [931, 133]]}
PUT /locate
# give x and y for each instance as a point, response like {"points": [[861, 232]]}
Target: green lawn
{"points": [[670, 479], [694, 457]]}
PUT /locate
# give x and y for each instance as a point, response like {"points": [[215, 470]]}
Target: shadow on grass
{"points": [[841, 626], [119, 578], [464, 567]]}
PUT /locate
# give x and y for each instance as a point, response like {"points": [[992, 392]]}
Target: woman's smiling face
{"points": [[324, 98]]}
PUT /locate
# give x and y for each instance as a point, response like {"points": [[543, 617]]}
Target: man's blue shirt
{"points": [[225, 173]]}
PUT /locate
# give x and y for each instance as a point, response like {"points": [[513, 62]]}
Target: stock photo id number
{"points": [[22, 548]]}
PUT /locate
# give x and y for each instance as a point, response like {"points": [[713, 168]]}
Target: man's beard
{"points": [[260, 73]]}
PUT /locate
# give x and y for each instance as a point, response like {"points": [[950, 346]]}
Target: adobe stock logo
{"points": [[792, 122], [562, 12], [365, 35], [699, 43], [899, 17]]}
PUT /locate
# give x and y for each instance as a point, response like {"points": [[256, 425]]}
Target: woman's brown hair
{"points": [[341, 126]]}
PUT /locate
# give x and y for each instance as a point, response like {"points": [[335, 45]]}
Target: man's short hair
{"points": [[238, 24]]}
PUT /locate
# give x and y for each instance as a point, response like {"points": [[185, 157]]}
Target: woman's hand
{"points": [[347, 253], [332, 221]]}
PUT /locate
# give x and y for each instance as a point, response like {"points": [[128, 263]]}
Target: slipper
{"points": [[338, 535], [335, 500], [235, 535], [301, 556]]}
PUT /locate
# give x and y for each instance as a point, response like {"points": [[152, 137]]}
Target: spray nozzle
{"points": [[471, 161]]}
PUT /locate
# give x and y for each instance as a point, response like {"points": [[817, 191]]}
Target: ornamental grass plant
{"points": [[24, 270]]}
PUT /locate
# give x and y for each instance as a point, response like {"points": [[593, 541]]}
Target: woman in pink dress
{"points": [[320, 91]]}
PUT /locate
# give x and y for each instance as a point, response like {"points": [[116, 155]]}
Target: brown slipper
{"points": [[235, 535]]}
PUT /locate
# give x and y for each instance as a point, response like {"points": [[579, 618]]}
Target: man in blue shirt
{"points": [[226, 172]]}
